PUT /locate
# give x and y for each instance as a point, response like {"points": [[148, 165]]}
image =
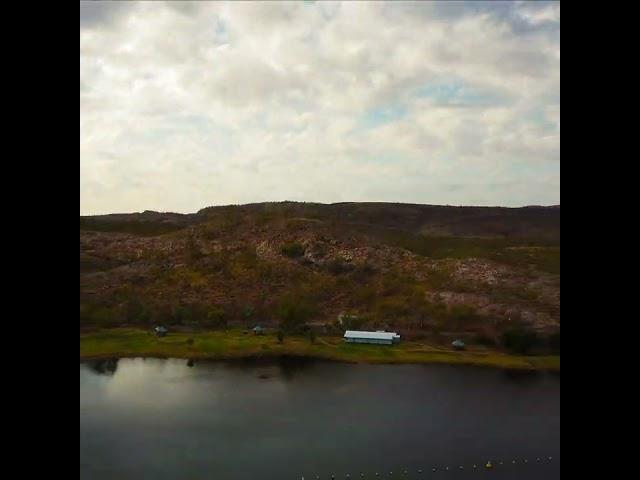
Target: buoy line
{"points": [[486, 465]]}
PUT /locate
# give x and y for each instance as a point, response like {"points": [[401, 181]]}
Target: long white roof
{"points": [[371, 335]]}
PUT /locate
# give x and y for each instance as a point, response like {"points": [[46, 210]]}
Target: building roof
{"points": [[371, 335]]}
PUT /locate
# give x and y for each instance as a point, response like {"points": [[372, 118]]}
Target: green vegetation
{"points": [[226, 268], [519, 340], [554, 343], [543, 255], [235, 344], [142, 228], [293, 312], [484, 340], [350, 322], [292, 250], [136, 311], [339, 266]]}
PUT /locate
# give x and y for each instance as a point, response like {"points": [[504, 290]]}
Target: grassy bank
{"points": [[235, 344]]}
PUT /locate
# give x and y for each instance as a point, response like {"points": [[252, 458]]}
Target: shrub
{"points": [[248, 311], [363, 293], [136, 312], [216, 316], [554, 343], [519, 340], [98, 315], [189, 341], [482, 339], [337, 267], [292, 250], [350, 322], [193, 249], [293, 311], [280, 335], [462, 315], [312, 336], [363, 272]]}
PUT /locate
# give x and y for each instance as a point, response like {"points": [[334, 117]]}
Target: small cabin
{"points": [[379, 338], [258, 330], [458, 344], [160, 331]]}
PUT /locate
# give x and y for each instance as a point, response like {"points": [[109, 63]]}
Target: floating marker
{"points": [[461, 467], [434, 469], [538, 459], [513, 462], [475, 466], [488, 465], [419, 470], [525, 460], [549, 458]]}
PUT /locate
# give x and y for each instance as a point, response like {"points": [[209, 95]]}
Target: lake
{"points": [[282, 419]]}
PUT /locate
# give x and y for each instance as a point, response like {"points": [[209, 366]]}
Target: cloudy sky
{"points": [[185, 105]]}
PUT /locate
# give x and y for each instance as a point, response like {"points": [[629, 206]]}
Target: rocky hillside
{"points": [[420, 269]]}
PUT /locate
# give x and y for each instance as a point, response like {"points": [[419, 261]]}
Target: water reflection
{"points": [[522, 376], [284, 367], [104, 367], [280, 418], [290, 367]]}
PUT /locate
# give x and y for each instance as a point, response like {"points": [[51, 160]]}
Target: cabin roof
{"points": [[371, 335]]}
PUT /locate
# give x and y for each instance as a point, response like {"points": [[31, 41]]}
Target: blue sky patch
{"points": [[382, 115]]}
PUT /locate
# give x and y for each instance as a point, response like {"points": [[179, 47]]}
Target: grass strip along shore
{"points": [[234, 344]]}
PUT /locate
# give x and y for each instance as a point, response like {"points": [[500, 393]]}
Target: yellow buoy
{"points": [[488, 465]]}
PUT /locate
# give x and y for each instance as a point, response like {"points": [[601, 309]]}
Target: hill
{"points": [[420, 269]]}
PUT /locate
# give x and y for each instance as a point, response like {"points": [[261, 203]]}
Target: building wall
{"points": [[369, 340]]}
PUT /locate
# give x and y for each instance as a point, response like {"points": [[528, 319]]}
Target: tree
{"points": [[519, 340], [350, 322], [293, 312], [193, 250], [280, 335], [312, 336], [135, 311], [248, 312], [216, 317], [554, 343]]}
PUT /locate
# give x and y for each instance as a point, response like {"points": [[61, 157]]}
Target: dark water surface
{"points": [[161, 419]]}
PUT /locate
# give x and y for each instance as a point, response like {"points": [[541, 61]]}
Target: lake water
{"points": [[162, 419]]}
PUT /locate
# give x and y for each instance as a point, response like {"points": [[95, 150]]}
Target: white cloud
{"points": [[184, 105]]}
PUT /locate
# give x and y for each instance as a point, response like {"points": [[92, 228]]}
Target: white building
{"points": [[381, 338]]}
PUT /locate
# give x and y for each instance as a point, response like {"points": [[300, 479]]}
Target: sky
{"points": [[186, 105]]}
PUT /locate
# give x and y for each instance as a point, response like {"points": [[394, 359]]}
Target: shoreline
{"points": [[235, 345]]}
